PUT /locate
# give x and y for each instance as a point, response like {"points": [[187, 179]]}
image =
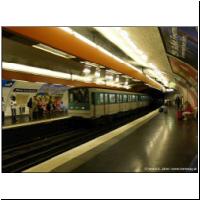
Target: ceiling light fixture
{"points": [[152, 66], [126, 82], [144, 57], [52, 51], [34, 70], [89, 42], [97, 73], [117, 78], [67, 29], [100, 82], [124, 34], [169, 90], [109, 77], [86, 70], [88, 79], [134, 48]]}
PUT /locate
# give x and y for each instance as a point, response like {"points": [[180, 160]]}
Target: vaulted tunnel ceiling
{"points": [[152, 43]]}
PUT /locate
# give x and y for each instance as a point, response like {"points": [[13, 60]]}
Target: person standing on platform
{"points": [[40, 109], [30, 106], [34, 108], [178, 102], [13, 106], [50, 106], [3, 110]]}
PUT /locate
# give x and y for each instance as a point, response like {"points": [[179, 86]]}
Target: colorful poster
{"points": [[52, 89], [184, 70]]}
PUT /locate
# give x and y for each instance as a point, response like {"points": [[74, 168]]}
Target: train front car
{"points": [[79, 103]]}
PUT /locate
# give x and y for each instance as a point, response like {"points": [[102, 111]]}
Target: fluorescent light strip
{"points": [[41, 48], [52, 51], [131, 44], [67, 29], [50, 73], [86, 71], [125, 34], [170, 90], [35, 70], [97, 74], [158, 74], [84, 39], [89, 42], [121, 38]]}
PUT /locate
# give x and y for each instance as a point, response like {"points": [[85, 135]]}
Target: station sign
{"points": [[7, 83], [25, 90]]}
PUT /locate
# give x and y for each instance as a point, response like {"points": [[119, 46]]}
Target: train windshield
{"points": [[79, 96]]}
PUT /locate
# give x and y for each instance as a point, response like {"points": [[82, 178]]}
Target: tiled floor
{"points": [[164, 144]]}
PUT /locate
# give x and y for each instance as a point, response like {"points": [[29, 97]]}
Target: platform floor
{"points": [[24, 119], [164, 144]]}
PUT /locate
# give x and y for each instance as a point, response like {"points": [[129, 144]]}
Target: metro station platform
{"points": [[163, 144], [23, 120]]}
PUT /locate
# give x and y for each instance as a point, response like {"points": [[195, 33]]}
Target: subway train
{"points": [[94, 103]]}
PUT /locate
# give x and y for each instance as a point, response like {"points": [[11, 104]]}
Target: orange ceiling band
{"points": [[10, 75], [61, 40]]}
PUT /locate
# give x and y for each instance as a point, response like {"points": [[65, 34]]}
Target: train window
{"points": [[129, 98], [96, 98], [133, 97], [117, 98], [79, 95], [106, 98], [112, 98], [143, 98], [101, 98], [125, 98], [120, 98]]}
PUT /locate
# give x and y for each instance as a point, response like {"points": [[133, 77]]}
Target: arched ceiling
{"points": [[155, 56], [144, 45], [173, 50]]}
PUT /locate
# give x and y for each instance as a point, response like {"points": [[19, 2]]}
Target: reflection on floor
{"points": [[164, 144], [25, 118]]}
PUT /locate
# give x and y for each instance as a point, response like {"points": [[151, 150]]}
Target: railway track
{"points": [[23, 156]]}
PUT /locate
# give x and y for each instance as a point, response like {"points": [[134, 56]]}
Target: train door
{"points": [[120, 102], [98, 104], [106, 104], [93, 106]]}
